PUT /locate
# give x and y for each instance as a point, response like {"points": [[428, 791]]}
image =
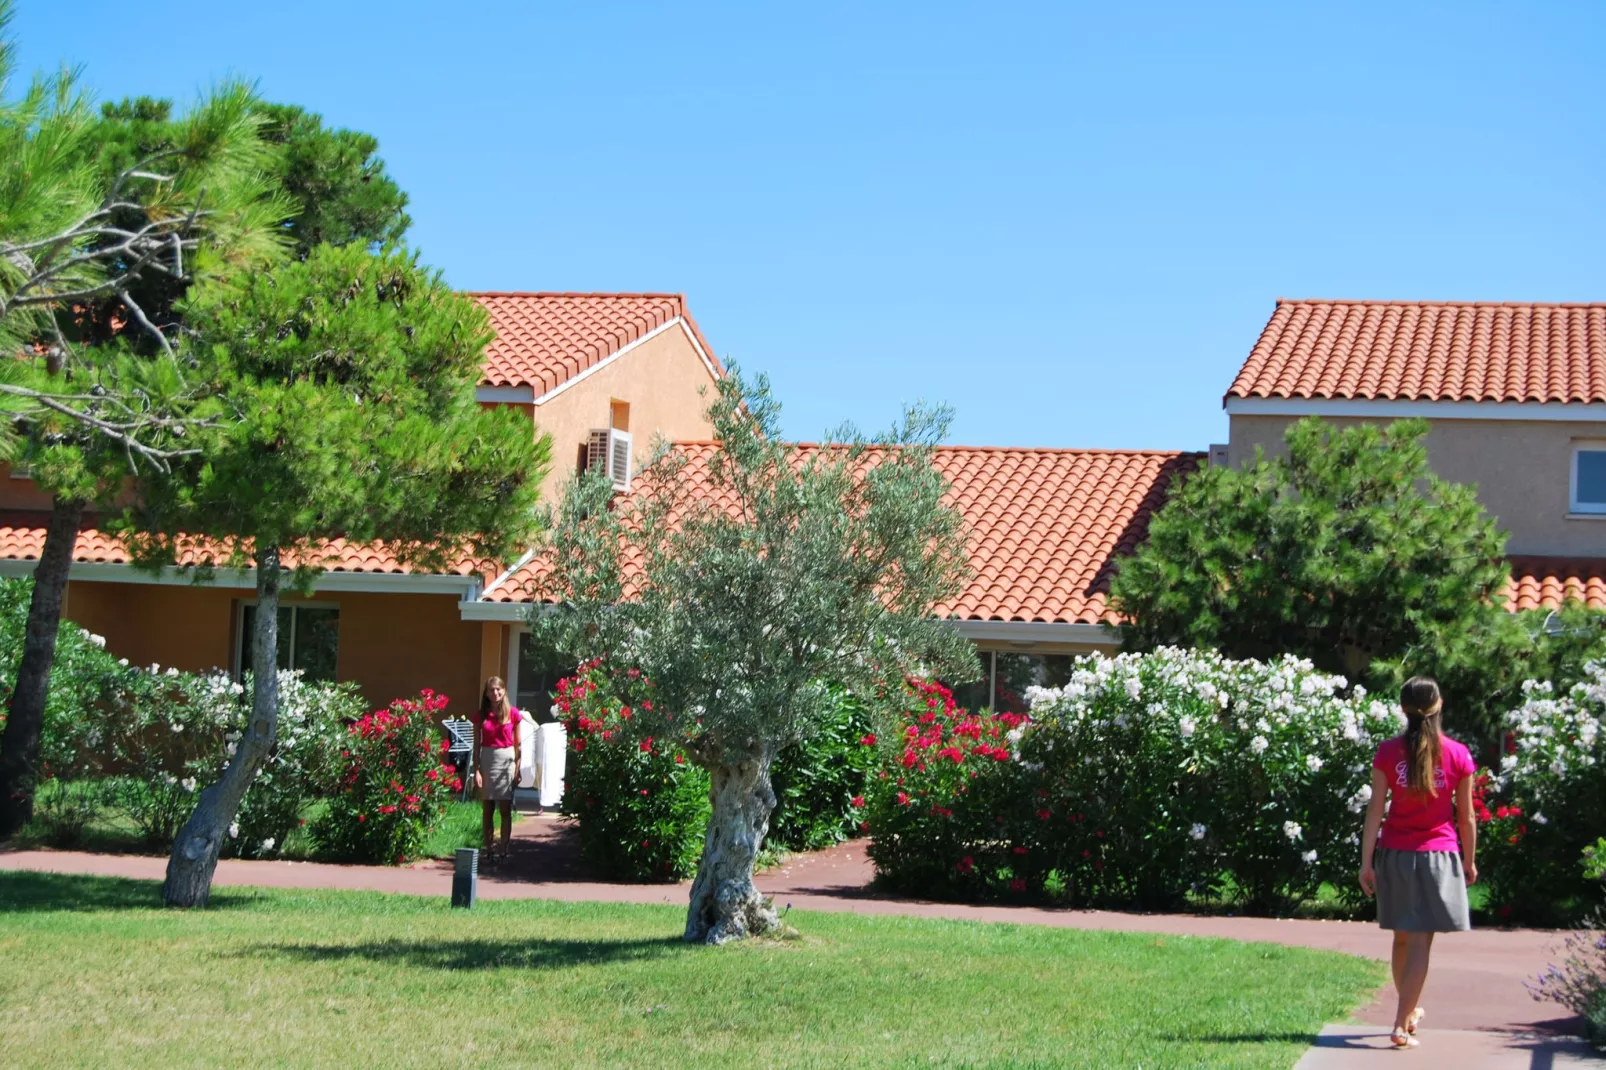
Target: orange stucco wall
{"points": [[391, 645], [659, 380]]}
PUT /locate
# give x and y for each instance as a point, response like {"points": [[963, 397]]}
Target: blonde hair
{"points": [[503, 709], [1424, 743]]}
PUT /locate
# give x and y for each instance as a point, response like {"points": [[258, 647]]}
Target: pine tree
{"points": [[353, 376]]}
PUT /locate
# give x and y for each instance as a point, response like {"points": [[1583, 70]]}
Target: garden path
{"points": [[1479, 1010]]}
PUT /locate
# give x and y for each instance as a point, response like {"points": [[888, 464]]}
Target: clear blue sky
{"points": [[1070, 221]]}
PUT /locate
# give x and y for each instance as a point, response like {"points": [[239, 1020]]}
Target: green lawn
{"points": [[111, 832], [92, 973]]}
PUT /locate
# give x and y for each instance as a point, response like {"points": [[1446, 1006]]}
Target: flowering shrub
{"points": [[83, 677], [642, 806], [1549, 803], [392, 785], [1579, 983], [943, 808], [169, 735], [1144, 778]]}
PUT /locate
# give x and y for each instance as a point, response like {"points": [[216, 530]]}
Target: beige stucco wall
{"points": [[391, 645], [1522, 469], [659, 381]]}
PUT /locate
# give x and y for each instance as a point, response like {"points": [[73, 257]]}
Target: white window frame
{"points": [[240, 636], [1573, 504]]}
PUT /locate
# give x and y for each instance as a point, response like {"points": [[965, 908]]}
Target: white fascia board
{"points": [[1384, 409], [609, 359], [514, 567], [465, 587], [516, 612], [518, 395], [1026, 631], [691, 336]]}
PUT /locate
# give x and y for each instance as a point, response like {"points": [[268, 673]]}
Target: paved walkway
{"points": [[1479, 1011]]}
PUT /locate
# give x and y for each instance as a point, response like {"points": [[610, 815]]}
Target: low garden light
{"points": [[465, 877]]}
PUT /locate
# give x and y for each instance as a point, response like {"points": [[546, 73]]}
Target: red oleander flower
{"points": [[858, 800], [868, 740], [966, 864], [1017, 885]]}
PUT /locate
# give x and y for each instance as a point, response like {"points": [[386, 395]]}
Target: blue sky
{"points": [[1069, 221]]}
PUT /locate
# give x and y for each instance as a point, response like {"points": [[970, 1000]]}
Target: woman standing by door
{"points": [[497, 745], [1418, 867]]}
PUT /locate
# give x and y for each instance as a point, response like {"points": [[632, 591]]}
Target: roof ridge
{"points": [[993, 449], [1436, 304], [575, 293]]}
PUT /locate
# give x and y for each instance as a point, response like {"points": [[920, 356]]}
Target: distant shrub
{"points": [[392, 785], [641, 805], [820, 783]]}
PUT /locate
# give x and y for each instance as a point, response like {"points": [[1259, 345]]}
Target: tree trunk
{"points": [[19, 746], [195, 852], [724, 903]]}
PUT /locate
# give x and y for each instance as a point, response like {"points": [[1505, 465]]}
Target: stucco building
{"points": [[1515, 396]]}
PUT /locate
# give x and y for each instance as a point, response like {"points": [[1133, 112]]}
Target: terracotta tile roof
{"points": [[544, 339], [1046, 527], [1428, 351], [22, 536], [1548, 582]]}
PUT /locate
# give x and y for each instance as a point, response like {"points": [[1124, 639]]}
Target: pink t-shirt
{"points": [[494, 733], [1417, 821]]}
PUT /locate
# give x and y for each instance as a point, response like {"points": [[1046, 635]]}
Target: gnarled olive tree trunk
{"points": [[195, 852], [25, 719], [724, 903]]}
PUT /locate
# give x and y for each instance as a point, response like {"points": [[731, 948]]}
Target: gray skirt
{"points": [[497, 768], [1421, 891]]}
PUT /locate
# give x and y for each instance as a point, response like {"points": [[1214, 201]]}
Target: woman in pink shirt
{"points": [[497, 745], [1417, 867]]}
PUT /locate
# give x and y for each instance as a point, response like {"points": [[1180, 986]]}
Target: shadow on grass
{"points": [[25, 891], [480, 954], [1244, 1038]]}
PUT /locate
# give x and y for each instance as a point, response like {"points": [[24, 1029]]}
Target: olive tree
{"points": [[745, 580]]}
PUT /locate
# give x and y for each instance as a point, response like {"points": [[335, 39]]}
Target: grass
{"points": [[93, 973], [113, 832]]}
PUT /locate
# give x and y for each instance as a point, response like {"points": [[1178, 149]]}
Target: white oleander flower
{"points": [[1198, 832], [98, 640], [1309, 856], [267, 844], [1312, 762], [171, 671], [1186, 727], [1259, 744], [1134, 688], [1541, 819], [177, 727], [234, 830], [1292, 830], [188, 783]]}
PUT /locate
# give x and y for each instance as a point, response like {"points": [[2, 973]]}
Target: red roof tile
{"points": [[1046, 528], [1548, 582], [545, 339], [1428, 351], [22, 536]]}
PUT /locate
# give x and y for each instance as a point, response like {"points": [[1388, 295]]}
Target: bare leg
{"points": [[1413, 976], [507, 824], [1397, 959], [488, 815]]}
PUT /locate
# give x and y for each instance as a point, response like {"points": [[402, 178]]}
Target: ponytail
{"points": [[1424, 745]]}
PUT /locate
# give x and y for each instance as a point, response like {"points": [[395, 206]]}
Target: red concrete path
{"points": [[1476, 981]]}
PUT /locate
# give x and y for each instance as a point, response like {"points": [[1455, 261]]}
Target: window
{"points": [[1589, 478], [309, 639], [1005, 676], [535, 675]]}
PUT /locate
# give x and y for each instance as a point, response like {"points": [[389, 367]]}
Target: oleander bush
{"points": [[641, 805], [392, 785], [1146, 778], [820, 783], [1547, 804]]}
